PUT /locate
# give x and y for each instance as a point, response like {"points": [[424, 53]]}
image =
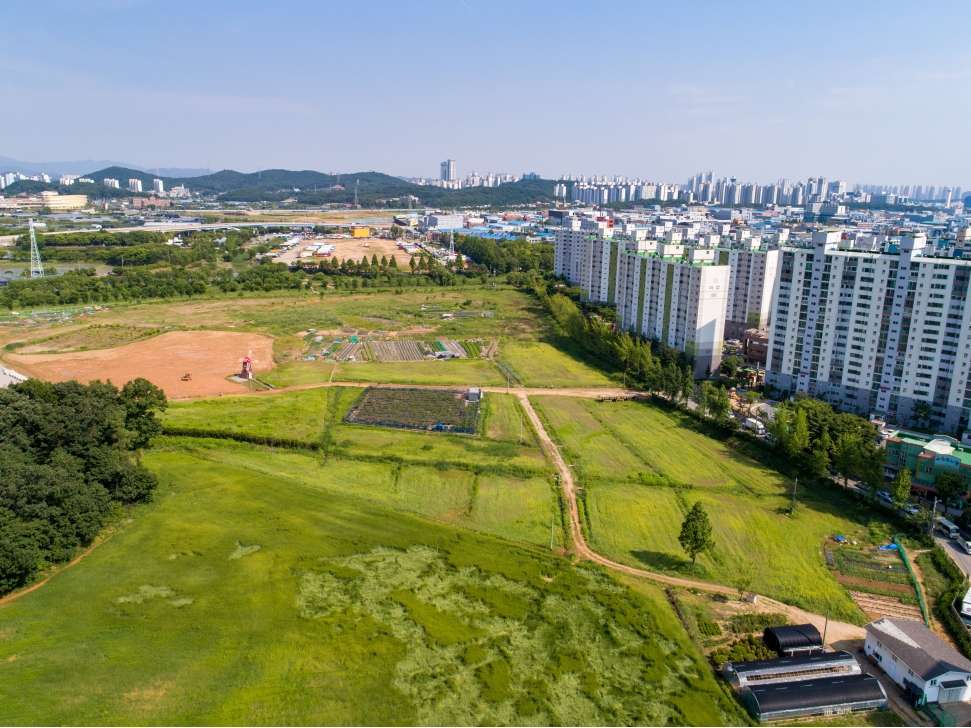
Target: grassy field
{"points": [[298, 372], [453, 372], [503, 418], [514, 507], [611, 444], [241, 598], [539, 364], [306, 414], [301, 414]]}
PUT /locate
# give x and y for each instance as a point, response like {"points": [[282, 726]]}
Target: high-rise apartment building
{"points": [[681, 301], [873, 331], [134, 185], [448, 171], [158, 186], [109, 182], [751, 285]]}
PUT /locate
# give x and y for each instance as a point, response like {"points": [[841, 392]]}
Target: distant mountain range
{"points": [[309, 187], [56, 169]]}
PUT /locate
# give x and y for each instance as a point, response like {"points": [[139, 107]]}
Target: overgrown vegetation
{"points": [[66, 465], [948, 583], [347, 612]]}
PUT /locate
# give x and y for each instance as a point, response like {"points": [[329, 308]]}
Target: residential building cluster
{"points": [[867, 314]]}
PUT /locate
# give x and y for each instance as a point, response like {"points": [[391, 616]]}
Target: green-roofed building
{"points": [[926, 456]]}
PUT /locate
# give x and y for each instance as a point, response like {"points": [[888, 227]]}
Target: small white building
{"points": [[911, 654]]}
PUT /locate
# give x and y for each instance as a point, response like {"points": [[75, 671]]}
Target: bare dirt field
{"points": [[210, 356], [352, 248]]}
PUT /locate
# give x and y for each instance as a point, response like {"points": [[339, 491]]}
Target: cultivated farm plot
{"points": [[240, 598], [390, 351], [416, 409]]}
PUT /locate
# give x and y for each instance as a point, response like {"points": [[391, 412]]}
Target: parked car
{"points": [[885, 497], [910, 509]]}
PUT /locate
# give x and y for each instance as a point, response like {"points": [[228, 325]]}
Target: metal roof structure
{"points": [[920, 649], [790, 669], [795, 638], [823, 696]]}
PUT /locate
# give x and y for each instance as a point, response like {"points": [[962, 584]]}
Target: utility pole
{"points": [[552, 521], [36, 267], [794, 484], [520, 429]]}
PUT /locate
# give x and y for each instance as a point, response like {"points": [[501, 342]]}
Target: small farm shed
{"points": [[918, 660], [822, 696], [790, 640], [751, 673]]}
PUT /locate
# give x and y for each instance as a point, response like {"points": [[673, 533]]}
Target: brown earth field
{"points": [[209, 356], [867, 583]]}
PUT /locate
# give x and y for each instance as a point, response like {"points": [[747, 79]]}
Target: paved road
{"points": [[957, 554]]}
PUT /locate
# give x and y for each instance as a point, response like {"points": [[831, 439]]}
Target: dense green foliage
{"points": [[695, 535], [941, 572], [64, 463], [506, 256]]}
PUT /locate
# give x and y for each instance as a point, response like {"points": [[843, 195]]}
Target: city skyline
{"points": [[683, 88]]}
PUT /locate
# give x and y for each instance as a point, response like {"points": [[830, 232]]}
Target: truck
{"points": [[755, 426]]}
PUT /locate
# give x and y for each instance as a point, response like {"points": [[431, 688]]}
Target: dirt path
{"points": [[836, 631]]}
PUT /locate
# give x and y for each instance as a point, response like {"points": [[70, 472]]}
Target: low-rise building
{"points": [[926, 456], [918, 660]]}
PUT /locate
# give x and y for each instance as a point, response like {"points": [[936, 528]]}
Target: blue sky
{"points": [[862, 91]]}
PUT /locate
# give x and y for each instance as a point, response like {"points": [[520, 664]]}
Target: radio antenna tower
{"points": [[36, 269]]}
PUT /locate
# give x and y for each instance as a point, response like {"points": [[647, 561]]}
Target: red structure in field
{"points": [[247, 372]]}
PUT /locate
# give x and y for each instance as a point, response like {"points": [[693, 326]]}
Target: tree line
{"points": [[67, 465]]}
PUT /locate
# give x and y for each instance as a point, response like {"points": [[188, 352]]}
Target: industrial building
{"points": [[919, 661], [752, 673], [820, 696]]}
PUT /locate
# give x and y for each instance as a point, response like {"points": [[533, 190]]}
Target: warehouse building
{"points": [[821, 696], [918, 660]]}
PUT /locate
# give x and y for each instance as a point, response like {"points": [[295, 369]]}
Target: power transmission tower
{"points": [[36, 268]]}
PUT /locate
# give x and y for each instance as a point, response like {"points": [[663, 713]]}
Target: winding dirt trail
{"points": [[836, 631]]}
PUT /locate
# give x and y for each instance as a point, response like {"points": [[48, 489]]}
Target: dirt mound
{"points": [[210, 356]]}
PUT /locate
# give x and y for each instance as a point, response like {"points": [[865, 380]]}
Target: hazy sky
{"points": [[862, 91]]}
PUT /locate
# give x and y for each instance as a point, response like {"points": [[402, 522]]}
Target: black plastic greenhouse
{"points": [[792, 640], [824, 696], [790, 669]]}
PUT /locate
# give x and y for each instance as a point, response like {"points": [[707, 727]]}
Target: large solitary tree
{"points": [[695, 535], [900, 487]]}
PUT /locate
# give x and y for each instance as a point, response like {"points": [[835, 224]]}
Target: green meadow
{"points": [[540, 364], [633, 520], [453, 372], [240, 597], [293, 373]]}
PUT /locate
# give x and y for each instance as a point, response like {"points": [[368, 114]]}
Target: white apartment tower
{"points": [[448, 170], [158, 186], [680, 301], [750, 287], [134, 185], [874, 331]]}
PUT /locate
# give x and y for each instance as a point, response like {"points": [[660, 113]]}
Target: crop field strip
{"points": [[396, 351], [420, 409], [643, 468]]}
